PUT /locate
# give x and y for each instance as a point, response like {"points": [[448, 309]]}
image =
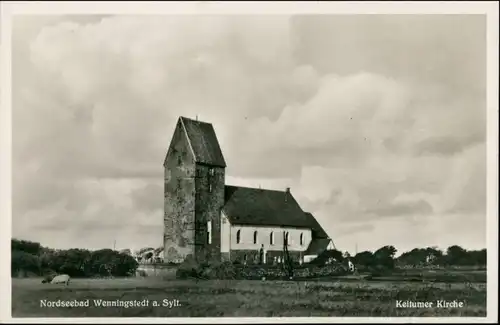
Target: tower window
{"points": [[301, 239], [211, 172], [255, 237], [210, 188], [271, 238], [238, 236], [209, 232]]}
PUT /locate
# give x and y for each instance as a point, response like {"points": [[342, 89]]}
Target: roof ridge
{"points": [[258, 189]]}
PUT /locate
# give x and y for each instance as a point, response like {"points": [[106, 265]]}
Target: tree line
{"points": [[31, 258], [384, 257]]}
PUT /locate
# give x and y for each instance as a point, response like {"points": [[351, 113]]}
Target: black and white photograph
{"points": [[268, 163]]}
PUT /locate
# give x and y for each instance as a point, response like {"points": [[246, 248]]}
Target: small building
{"points": [[209, 220]]}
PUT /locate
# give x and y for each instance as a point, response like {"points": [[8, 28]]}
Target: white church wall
{"points": [[264, 236]]}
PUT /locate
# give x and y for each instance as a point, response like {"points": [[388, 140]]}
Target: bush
{"points": [[221, 271], [23, 263], [190, 268], [31, 258], [218, 270], [327, 256], [25, 246]]}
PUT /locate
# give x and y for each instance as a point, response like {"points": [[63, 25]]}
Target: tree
{"points": [[365, 259], [126, 251], [456, 255], [386, 252], [25, 246], [384, 257], [30, 257], [478, 257], [327, 256], [23, 262]]}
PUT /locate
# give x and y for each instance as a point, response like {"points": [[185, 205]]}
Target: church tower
{"points": [[194, 170]]}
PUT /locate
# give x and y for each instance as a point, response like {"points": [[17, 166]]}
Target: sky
{"points": [[377, 123]]}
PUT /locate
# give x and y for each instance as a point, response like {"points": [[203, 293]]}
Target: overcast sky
{"points": [[377, 123]]}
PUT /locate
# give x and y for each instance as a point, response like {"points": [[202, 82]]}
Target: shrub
{"points": [[23, 263], [221, 271], [218, 270], [327, 256], [190, 268]]}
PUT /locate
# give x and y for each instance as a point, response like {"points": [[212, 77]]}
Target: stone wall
{"points": [[156, 270], [209, 202], [179, 204], [305, 271], [251, 257]]}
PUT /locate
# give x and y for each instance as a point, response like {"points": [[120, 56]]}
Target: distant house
{"points": [[209, 220]]}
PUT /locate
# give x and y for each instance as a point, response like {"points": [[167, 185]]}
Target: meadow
{"points": [[248, 298]]}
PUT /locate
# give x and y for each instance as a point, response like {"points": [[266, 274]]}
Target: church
{"points": [[212, 221]]}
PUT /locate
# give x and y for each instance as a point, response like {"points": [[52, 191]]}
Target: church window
{"points": [[212, 172], [271, 238], [301, 239], [209, 232], [255, 237], [238, 236]]}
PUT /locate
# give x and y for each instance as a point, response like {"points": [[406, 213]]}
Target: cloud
{"points": [[402, 209], [445, 145], [343, 116]]}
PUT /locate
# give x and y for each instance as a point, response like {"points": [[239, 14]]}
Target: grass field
{"points": [[212, 298]]}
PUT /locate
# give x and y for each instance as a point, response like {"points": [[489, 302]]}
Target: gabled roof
{"points": [[203, 141], [253, 206], [317, 230], [317, 246]]}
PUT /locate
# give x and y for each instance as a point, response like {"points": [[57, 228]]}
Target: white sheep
{"points": [[62, 278]]}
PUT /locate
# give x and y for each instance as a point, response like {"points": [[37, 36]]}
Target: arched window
{"points": [[255, 237], [238, 236], [301, 239], [271, 238]]}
